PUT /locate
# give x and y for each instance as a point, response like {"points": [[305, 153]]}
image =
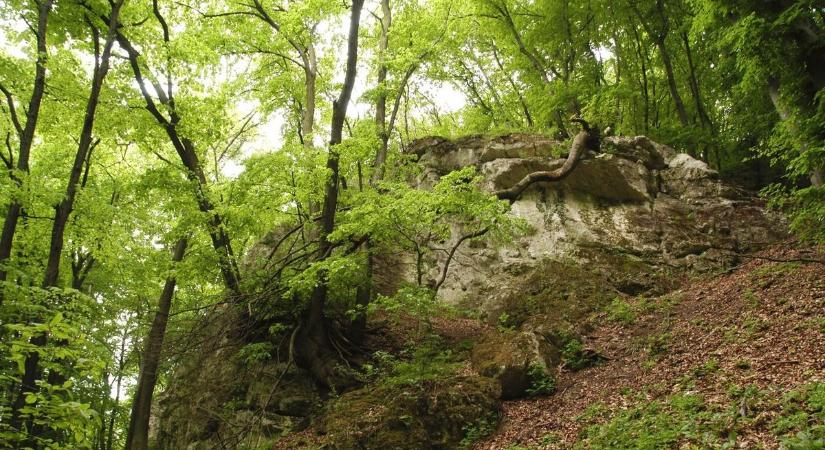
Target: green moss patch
{"points": [[433, 414]]}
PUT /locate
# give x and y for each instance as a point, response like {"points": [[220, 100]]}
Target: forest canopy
{"points": [[164, 160]]}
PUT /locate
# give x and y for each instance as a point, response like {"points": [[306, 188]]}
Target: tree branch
{"points": [[450, 255], [582, 142], [12, 110]]}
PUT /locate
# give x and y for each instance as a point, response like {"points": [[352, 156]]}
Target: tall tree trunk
{"points": [[619, 60], [63, 210], [121, 364], [681, 112], [642, 54], [310, 81], [318, 354], [137, 436], [659, 37], [26, 136], [704, 118], [381, 101]]}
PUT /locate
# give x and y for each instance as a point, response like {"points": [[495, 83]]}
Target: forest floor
{"points": [[727, 356]]}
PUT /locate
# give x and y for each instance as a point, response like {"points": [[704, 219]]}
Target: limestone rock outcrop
{"points": [[636, 213]]}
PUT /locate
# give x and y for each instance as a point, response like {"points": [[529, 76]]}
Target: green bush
{"points": [[621, 311], [479, 430], [541, 383], [576, 357], [428, 362]]}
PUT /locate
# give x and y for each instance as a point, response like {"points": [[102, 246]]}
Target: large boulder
{"points": [[518, 361], [639, 149]]}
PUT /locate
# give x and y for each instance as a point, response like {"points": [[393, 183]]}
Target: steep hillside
{"points": [[736, 358], [594, 283]]}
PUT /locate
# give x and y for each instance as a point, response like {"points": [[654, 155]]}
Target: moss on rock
{"points": [[431, 415], [513, 359]]}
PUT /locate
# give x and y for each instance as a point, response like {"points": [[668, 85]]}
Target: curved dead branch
{"points": [[583, 141]]}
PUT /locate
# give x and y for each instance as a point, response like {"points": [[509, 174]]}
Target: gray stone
{"points": [[638, 198]]}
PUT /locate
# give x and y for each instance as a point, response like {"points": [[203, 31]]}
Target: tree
{"points": [[32, 373], [185, 149], [137, 436], [318, 353], [25, 136]]}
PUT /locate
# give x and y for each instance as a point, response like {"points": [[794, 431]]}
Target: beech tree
{"points": [[25, 135]]}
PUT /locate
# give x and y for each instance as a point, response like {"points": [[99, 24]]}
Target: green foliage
{"points": [[478, 430], [802, 421], [71, 352], [541, 383], [805, 207], [419, 302], [708, 368], [687, 419], [505, 323], [255, 352], [427, 362], [661, 424], [621, 311], [575, 357], [243, 81]]}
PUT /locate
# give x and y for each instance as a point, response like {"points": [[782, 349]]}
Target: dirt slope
{"points": [[761, 324]]}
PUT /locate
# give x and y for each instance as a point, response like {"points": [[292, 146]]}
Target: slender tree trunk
{"points": [[26, 137], [645, 85], [63, 210], [104, 398], [659, 37], [137, 436], [310, 81], [121, 363], [681, 112], [381, 101], [221, 242], [508, 119], [524, 108], [619, 60], [507, 18], [318, 354], [704, 118]]}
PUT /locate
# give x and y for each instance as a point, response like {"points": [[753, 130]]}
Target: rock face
{"points": [[630, 220], [636, 212], [221, 399]]}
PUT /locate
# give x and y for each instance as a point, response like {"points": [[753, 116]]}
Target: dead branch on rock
{"points": [[587, 139]]}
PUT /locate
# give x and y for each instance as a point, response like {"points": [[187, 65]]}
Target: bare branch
{"points": [[450, 255], [581, 143], [12, 110]]}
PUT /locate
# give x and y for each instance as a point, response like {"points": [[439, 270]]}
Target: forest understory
{"points": [[733, 360]]}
